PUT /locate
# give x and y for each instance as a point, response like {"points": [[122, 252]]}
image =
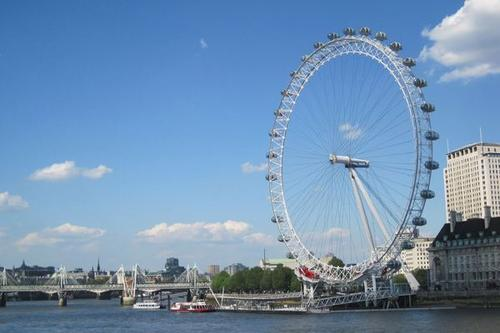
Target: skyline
{"points": [[140, 132]]}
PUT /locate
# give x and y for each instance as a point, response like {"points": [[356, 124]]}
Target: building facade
{"points": [[172, 269], [466, 255], [418, 257], [472, 180], [235, 268], [212, 270]]}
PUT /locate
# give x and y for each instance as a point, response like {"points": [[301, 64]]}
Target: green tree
{"points": [[399, 278], [237, 282], [220, 280], [336, 262], [252, 279], [295, 284], [266, 281], [279, 278], [421, 276]]}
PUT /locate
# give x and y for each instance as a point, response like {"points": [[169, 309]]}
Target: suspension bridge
{"points": [[130, 284]]}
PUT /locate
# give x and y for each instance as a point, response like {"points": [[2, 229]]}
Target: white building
{"points": [[418, 257], [472, 180]]}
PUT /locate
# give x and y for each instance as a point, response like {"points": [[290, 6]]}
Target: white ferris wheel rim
{"points": [[350, 44]]}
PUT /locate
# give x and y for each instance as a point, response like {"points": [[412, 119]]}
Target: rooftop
{"points": [[489, 144], [468, 229]]}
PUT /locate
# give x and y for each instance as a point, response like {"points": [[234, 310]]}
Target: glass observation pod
{"points": [[349, 32], [427, 194], [420, 83], [396, 47], [276, 219], [381, 36], [431, 165], [409, 62], [279, 113], [318, 45], [428, 107], [283, 239], [393, 264], [271, 155], [407, 245], [419, 221], [365, 31], [271, 177], [286, 93], [431, 135], [332, 36]]}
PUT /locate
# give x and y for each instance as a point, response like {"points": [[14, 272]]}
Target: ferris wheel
{"points": [[350, 158]]}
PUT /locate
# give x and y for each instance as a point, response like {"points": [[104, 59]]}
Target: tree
{"points": [[252, 279], [236, 282], [337, 262], [295, 284], [279, 278], [399, 278], [220, 280], [266, 281], [421, 276]]}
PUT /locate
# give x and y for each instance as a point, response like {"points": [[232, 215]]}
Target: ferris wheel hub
{"points": [[348, 161]]}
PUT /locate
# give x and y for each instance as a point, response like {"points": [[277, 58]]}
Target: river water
{"points": [[108, 316]]}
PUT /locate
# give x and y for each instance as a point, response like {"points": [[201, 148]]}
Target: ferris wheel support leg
{"points": [[370, 204], [362, 213]]}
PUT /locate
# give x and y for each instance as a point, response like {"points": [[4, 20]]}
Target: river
{"points": [[107, 316]]}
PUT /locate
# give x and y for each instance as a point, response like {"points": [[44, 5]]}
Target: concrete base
{"points": [[63, 301], [127, 301], [3, 300]]}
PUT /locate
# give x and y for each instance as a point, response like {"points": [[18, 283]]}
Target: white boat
{"points": [[148, 305]]}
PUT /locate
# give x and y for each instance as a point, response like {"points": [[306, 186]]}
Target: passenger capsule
{"points": [[292, 74], [407, 245], [427, 107], [419, 221], [396, 47], [271, 177], [270, 155], [431, 165], [365, 31], [318, 45], [332, 36], [427, 194], [274, 133], [349, 32], [431, 135], [409, 62], [381, 36], [393, 264], [285, 93], [283, 239], [279, 113], [304, 58], [420, 83], [276, 219]]}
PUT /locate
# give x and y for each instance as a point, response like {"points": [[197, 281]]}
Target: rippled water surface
{"points": [[108, 316]]}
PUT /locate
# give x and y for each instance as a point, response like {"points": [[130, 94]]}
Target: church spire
{"points": [[98, 266]]}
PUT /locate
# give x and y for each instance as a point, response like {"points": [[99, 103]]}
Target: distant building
{"points": [[172, 268], [466, 255], [291, 263], [213, 270], [235, 268], [418, 257], [472, 180], [32, 274]]}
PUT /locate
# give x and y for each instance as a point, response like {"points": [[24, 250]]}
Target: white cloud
{"points": [[63, 233], [259, 238], [248, 167], [337, 233], [198, 231], [203, 43], [468, 42], [12, 202], [350, 132], [67, 170]]}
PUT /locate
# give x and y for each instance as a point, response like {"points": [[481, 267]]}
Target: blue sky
{"points": [[171, 98]]}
